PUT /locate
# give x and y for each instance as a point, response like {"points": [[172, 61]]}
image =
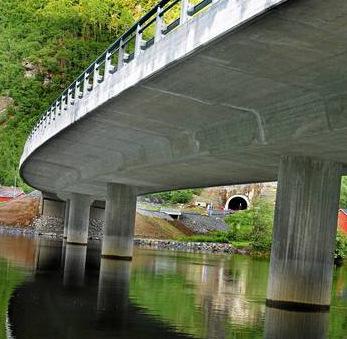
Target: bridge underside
{"points": [[224, 114]]}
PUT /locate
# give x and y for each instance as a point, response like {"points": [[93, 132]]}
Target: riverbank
{"points": [[156, 244], [195, 247]]}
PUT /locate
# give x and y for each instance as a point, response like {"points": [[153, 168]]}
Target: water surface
{"points": [[52, 290]]}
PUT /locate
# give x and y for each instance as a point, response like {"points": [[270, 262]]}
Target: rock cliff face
{"points": [[220, 195]]}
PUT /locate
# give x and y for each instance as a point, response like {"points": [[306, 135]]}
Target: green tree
{"points": [[174, 197], [341, 246], [261, 235], [254, 225], [240, 225], [58, 39]]}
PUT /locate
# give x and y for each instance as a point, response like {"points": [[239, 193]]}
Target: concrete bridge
{"points": [[226, 92]]}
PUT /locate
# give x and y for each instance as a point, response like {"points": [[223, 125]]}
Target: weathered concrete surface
{"points": [[119, 222], [208, 104], [304, 231], [79, 210], [52, 205]]}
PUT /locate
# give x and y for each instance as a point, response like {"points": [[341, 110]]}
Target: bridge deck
{"points": [[215, 102]]}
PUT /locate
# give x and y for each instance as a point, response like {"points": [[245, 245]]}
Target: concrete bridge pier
{"points": [[304, 234], [52, 205], [79, 209], [119, 222]]}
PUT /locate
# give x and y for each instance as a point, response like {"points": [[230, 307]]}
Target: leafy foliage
{"points": [[174, 197], [261, 235], [240, 225], [254, 225], [341, 245], [58, 39], [248, 228]]}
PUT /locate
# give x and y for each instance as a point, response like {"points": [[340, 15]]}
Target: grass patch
{"points": [[241, 244], [217, 236]]}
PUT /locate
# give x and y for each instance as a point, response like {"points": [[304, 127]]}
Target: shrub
{"points": [[240, 225], [254, 225], [261, 236], [341, 246], [181, 197], [173, 197]]}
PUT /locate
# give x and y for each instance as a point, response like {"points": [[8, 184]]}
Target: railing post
{"points": [[138, 41], [85, 84], [95, 75], [70, 100], [77, 90], [108, 65], [63, 104], [184, 11], [57, 110], [120, 55], [158, 26], [40, 125], [50, 115]]}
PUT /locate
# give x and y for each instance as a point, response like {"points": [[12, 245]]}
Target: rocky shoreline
{"points": [[52, 228], [193, 247]]}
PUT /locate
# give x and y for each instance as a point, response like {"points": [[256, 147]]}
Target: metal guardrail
{"points": [[125, 49]]}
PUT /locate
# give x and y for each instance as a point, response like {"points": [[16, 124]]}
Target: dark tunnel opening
{"points": [[237, 204]]}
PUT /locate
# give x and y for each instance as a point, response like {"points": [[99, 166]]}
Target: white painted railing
{"points": [[141, 36]]}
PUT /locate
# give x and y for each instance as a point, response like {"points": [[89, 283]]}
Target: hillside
{"points": [[19, 212], [156, 228], [44, 45]]}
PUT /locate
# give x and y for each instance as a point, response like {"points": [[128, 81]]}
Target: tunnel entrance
{"points": [[237, 203]]}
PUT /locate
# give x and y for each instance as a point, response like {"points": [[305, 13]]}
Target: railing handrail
{"points": [[115, 44], [137, 28]]}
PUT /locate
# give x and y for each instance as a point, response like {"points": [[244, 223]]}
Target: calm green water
{"points": [[53, 291]]}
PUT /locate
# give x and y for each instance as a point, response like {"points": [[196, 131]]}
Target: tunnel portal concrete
{"points": [[237, 203]]}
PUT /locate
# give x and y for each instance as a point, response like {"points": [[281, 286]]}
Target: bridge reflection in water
{"points": [[159, 294]]}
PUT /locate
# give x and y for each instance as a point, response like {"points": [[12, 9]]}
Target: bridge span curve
{"points": [[231, 91], [215, 101]]}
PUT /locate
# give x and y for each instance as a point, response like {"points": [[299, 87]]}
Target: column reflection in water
{"points": [[283, 324], [75, 262], [113, 292], [63, 250], [48, 255]]}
